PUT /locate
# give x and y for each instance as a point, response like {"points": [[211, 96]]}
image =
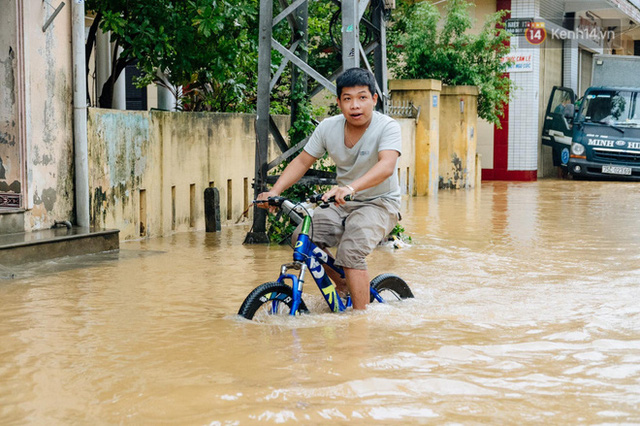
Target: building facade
{"points": [[559, 54], [36, 115]]}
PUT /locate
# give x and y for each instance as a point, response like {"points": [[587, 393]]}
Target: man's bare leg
{"points": [[358, 283], [341, 283]]}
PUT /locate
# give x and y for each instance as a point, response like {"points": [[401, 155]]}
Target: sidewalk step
{"points": [[46, 244]]}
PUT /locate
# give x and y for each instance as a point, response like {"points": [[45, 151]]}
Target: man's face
{"points": [[356, 104]]}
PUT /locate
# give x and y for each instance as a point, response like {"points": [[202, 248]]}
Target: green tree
{"points": [[424, 44], [186, 42]]}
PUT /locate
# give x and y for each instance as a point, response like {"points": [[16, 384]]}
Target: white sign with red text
{"points": [[519, 62]]}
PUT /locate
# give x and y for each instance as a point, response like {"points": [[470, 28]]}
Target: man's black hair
{"points": [[356, 77]]}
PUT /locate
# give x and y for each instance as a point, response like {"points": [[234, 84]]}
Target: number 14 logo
{"points": [[536, 33]]}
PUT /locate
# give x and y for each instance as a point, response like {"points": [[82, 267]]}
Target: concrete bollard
{"points": [[212, 209]]}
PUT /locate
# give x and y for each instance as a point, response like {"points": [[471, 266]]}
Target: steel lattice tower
{"points": [[354, 54]]}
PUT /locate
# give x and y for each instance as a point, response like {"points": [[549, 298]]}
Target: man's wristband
{"points": [[353, 191]]}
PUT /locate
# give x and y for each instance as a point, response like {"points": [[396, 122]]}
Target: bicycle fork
{"points": [[327, 288], [297, 282]]}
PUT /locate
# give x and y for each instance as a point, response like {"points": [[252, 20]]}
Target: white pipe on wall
{"points": [[81, 156]]}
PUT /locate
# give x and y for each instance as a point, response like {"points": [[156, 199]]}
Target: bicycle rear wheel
{"points": [[269, 299], [390, 287]]}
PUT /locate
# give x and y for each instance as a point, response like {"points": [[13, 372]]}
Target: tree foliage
{"points": [[188, 42], [426, 45], [210, 48]]}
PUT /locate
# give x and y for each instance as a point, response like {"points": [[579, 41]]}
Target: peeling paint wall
{"points": [[36, 134], [10, 158], [49, 95], [118, 150], [148, 170]]}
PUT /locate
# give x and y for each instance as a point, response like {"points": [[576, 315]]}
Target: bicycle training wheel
{"points": [[269, 299], [390, 287]]}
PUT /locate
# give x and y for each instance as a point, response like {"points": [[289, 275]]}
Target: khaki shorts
{"points": [[355, 228]]}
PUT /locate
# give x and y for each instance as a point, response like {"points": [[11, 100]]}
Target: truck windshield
{"points": [[612, 108]]}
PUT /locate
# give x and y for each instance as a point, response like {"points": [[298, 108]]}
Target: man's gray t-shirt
{"points": [[382, 134]]}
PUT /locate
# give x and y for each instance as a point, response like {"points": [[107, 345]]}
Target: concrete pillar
{"points": [[166, 99], [103, 59], [425, 94], [458, 137], [104, 66], [120, 90]]}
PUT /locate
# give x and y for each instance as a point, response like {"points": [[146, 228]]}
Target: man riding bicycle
{"points": [[365, 146]]}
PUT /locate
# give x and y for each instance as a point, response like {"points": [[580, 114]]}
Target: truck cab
{"points": [[602, 139]]}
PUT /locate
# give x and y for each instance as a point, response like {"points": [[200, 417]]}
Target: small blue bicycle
{"points": [[278, 298]]}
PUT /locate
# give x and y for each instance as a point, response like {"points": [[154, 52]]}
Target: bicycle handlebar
{"points": [[296, 210], [315, 199]]}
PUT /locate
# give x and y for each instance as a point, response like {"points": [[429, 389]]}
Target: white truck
{"points": [[600, 137]]}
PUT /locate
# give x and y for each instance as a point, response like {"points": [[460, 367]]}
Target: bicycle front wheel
{"points": [[390, 287], [269, 299]]}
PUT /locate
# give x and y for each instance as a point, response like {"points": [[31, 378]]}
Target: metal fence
{"points": [[402, 109]]}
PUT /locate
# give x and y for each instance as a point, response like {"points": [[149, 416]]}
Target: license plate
{"points": [[617, 170]]}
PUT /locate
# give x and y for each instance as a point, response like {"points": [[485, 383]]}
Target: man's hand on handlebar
{"points": [[263, 196], [338, 193]]}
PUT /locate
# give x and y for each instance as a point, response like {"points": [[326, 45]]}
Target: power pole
{"points": [[354, 54]]}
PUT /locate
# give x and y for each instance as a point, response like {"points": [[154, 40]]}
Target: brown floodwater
{"points": [[526, 311]]}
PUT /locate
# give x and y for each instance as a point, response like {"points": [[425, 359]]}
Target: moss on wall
{"points": [[172, 157]]}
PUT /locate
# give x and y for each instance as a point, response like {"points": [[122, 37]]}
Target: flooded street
{"points": [[526, 311]]}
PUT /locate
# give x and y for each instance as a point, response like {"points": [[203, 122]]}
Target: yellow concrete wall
{"points": [[164, 153], [458, 137], [422, 93]]}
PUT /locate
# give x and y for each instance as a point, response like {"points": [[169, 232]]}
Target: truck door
{"points": [[558, 124]]}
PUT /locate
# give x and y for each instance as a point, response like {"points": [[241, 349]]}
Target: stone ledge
{"points": [[47, 244], [423, 84], [11, 221]]}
